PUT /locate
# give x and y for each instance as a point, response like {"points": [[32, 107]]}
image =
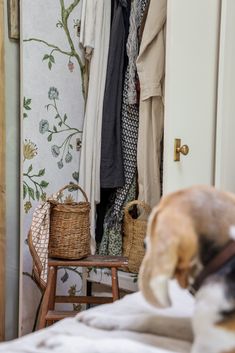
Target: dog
{"points": [[191, 237], [186, 231]]}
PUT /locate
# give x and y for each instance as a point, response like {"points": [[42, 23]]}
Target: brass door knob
{"points": [[178, 149]]}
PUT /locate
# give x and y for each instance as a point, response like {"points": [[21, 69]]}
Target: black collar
{"points": [[217, 264]]}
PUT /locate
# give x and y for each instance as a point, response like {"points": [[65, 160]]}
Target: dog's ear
{"points": [[182, 277], [187, 250]]}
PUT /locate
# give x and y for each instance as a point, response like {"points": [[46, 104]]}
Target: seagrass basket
{"points": [[69, 227], [134, 232]]}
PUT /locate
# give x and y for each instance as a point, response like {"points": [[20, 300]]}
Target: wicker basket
{"points": [[69, 228], [134, 233]]}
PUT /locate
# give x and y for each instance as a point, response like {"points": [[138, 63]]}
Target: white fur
{"points": [[209, 338], [232, 232], [159, 286]]}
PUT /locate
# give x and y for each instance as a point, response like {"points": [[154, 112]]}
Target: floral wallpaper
{"points": [[53, 89]]}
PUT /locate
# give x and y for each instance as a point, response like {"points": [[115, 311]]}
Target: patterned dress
{"points": [[111, 243]]}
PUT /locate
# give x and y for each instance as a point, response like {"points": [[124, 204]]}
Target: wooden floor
{"points": [[2, 178]]}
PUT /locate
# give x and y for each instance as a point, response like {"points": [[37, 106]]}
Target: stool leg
{"points": [[51, 305], [46, 298], [115, 288]]}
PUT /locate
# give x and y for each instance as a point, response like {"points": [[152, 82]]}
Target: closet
{"points": [[198, 109]]}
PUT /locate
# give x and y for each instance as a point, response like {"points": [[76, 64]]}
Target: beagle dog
{"points": [[191, 236]]}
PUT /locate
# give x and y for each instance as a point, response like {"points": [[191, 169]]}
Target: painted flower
{"points": [[69, 199], [53, 93], [27, 206], [72, 290], [70, 66], [55, 151], [29, 149], [68, 157], [43, 126], [60, 164]]}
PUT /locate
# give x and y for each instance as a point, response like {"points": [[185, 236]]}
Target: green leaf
{"points": [[46, 56], [24, 191], [65, 117], [44, 184], [57, 116], [37, 195], [31, 192], [28, 101], [30, 169], [41, 172], [25, 115], [49, 65], [52, 59], [49, 138], [75, 176], [55, 128], [27, 107], [60, 123], [71, 146]]}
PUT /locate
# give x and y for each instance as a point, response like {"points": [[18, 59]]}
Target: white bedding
{"points": [[71, 335]]}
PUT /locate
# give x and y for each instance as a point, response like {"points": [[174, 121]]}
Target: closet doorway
{"points": [[2, 179]]}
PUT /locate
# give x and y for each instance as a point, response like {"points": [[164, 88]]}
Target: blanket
{"points": [[75, 335]]}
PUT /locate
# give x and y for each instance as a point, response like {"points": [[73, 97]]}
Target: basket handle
{"points": [[74, 186], [142, 204]]}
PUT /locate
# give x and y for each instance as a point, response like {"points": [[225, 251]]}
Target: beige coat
{"points": [[151, 69]]}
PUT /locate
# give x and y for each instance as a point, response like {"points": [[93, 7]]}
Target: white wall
{"points": [[12, 182]]}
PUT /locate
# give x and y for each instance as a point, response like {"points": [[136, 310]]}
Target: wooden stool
{"points": [[48, 313]]}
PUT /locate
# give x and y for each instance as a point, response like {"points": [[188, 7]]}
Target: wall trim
{"points": [[2, 175]]}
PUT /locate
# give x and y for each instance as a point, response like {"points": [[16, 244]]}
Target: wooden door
{"points": [[2, 180], [225, 141], [192, 45]]}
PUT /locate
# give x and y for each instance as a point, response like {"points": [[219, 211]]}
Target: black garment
{"points": [[101, 209], [111, 168]]}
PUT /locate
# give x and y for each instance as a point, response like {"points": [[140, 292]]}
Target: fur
{"points": [[185, 231]]}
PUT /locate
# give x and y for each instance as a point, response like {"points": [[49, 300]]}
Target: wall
{"points": [[12, 91], [52, 120]]}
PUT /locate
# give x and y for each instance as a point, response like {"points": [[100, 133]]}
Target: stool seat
{"points": [[92, 260], [48, 313]]}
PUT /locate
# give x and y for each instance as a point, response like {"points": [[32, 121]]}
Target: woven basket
{"points": [[134, 233], [69, 228]]}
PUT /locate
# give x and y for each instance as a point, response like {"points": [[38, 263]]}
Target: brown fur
{"points": [[228, 324], [177, 229]]}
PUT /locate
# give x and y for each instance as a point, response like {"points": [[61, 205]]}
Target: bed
{"points": [[114, 328]]}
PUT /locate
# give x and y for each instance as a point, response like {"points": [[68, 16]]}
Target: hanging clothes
{"points": [[151, 68], [111, 168], [111, 243], [95, 35]]}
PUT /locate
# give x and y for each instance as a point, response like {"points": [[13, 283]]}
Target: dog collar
{"points": [[224, 256]]}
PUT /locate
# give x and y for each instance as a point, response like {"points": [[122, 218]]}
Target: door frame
{"points": [[225, 143], [2, 175]]}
